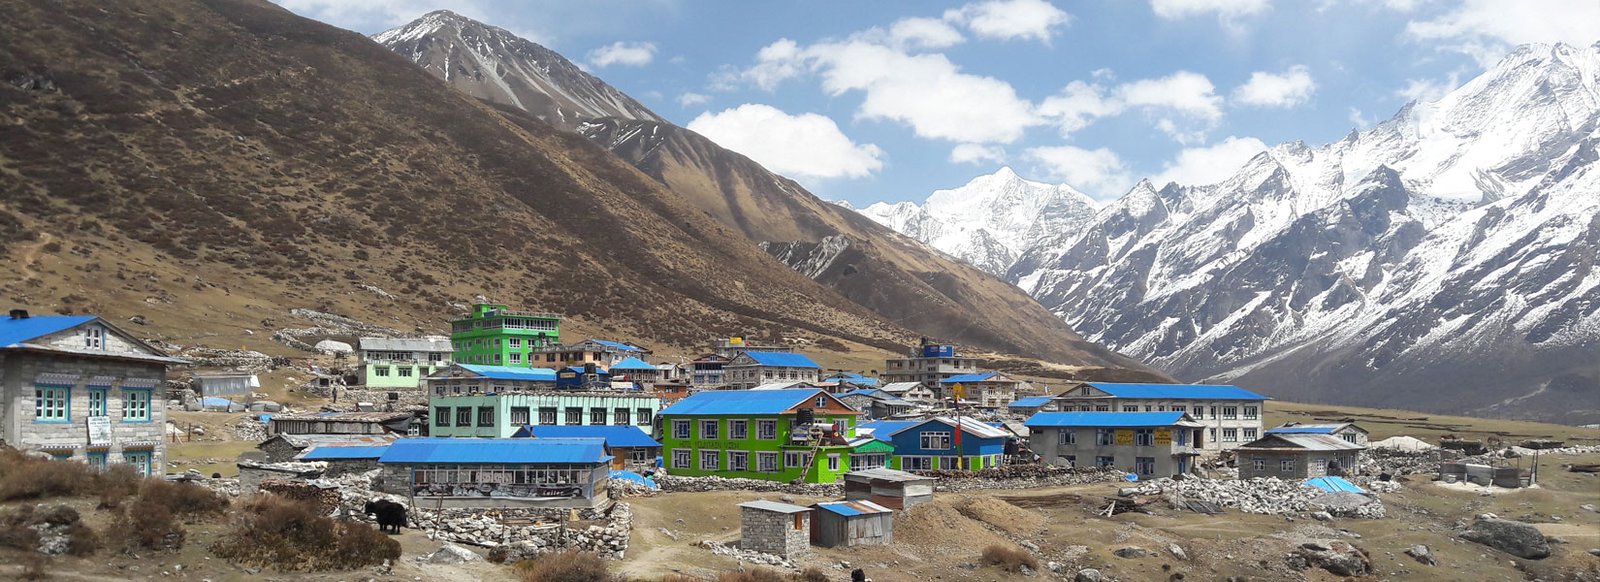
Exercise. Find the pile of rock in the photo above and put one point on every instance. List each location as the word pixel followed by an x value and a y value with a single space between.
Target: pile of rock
pixel 623 488
pixel 1380 486
pixel 249 429
pixel 1021 477
pixel 517 534
pixel 325 498
pixel 1405 462
pixel 228 487
pixel 1268 495
pixel 1337 557
pixel 246 361
pixel 696 484
pixel 744 555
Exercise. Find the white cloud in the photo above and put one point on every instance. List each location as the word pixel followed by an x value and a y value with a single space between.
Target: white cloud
pixel 1099 172
pixel 1428 89
pixel 924 33
pixel 1186 92
pixel 1225 9
pixel 1078 105
pixel 1360 120
pixel 627 54
pixel 1185 104
pixel 687 100
pixel 1484 28
pixel 1199 166
pixel 775 63
pixel 1010 19
pixel 971 153
pixel 802 146
pixel 1293 87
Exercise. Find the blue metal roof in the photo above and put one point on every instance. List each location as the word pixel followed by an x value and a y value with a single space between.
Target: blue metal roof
pixel 333 453
pixel 598 369
pixel 979 377
pixel 787 359
pixel 1332 484
pixel 1201 391
pixel 881 429
pixel 840 508
pixel 445 450
pixel 1103 419
pixel 741 401
pixel 1030 402
pixel 616 436
pixel 16 331
pixel 852 378
pixel 632 363
pixel 618 345
pixel 512 372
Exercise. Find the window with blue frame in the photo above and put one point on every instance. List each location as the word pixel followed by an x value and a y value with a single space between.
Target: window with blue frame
pixel 135 405
pixel 97 401
pixel 140 460
pixel 52 404
pixel 97 460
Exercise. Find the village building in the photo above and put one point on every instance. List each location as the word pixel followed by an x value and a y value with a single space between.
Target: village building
pixel 1298 456
pixel 986 390
pixel 733 346
pixel 215 384
pixel 1030 405
pixel 1231 415
pixel 629 446
pixel 1148 444
pixel 496 335
pixel 343 460
pixel 401 363
pixel 586 377
pixel 707 370
pixel 599 352
pixel 751 369
pixel 636 371
pixel 671 392
pixel 852 381
pixel 1348 431
pixel 930 365
pixel 888 487
pixel 468 379
pixel 932 444
pixel 874 403
pixel 283 447
pixel 446 472
pixel 773 435
pixel 344 423
pixel 77 387
pixel 499 413
pixel 914 392
pixel 851 523
pixel 775 528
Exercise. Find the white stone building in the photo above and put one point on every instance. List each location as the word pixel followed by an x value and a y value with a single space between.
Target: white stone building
pixel 930 365
pixel 751 369
pixel 1230 415
pixel 77 387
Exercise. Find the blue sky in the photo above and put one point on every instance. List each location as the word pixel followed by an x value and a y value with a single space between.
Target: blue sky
pixel 888 101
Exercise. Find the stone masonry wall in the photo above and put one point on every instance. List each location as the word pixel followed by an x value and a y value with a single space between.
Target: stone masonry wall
pixel 773 533
pixel 21 431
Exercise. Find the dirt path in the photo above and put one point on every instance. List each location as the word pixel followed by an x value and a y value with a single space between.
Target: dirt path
pixel 30 254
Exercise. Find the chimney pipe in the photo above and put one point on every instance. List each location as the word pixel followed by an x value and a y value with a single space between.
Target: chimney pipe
pixel 19 314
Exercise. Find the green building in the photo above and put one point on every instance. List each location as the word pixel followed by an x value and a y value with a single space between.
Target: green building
pixel 497 336
pixel 495 401
pixel 759 434
pixel 401 362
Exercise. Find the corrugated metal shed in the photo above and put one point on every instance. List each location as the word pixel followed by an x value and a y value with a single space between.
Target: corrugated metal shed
pixel 1030 402
pixel 496 451
pixel 765 505
pixel 346 416
pixel 852 523
pixel 785 359
pixel 1177 391
pixel 512 373
pixel 1103 419
pixel 849 508
pixel 742 401
pixel 342 453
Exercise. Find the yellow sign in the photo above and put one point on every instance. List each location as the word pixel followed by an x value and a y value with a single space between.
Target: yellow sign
pixel 1163 436
pixel 736 341
pixel 959 391
pixel 1124 437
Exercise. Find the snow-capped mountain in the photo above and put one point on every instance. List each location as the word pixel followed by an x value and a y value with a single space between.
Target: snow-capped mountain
pixel 1443 260
pixel 491 63
pixel 991 220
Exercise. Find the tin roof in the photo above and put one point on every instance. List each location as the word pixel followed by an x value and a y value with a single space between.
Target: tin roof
pixel 617 345
pixel 900 386
pixel 886 474
pixel 445 450
pixel 405 344
pixel 742 401
pixel 301 441
pixel 979 377
pixel 853 508
pixel 1304 442
pixel 785 359
pixel 1103 419
pixel 765 505
pixel 1177 391
pixel 15 331
pixel 327 453
pixel 616 436
pixel 1323 428
pixel 852 378
pixel 1030 402
pixel 345 416
pixel 632 363
pixel 888 428
pixel 512 372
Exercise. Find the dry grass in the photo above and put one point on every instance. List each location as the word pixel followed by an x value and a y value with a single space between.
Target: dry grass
pixel 1009 559
pixel 291 535
pixel 17 528
pixel 566 566
pixel 753 575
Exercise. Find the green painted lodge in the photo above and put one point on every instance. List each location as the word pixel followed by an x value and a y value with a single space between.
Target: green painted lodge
pixel 496 335
pixel 495 401
pixel 776 435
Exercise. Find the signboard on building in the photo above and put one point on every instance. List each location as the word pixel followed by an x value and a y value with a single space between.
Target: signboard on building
pixel 1124 436
pixel 1163 436
pixel 735 341
pixel 99 430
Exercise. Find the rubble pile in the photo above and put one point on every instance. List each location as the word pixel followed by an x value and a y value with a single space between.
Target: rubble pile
pixel 744 555
pixel 248 428
pixel 624 488
pixel 249 361
pixel 326 325
pixel 1405 462
pixel 325 498
pixel 226 486
pixel 1380 486
pixel 1268 495
pixel 1021 477
pixel 518 534
pixel 670 483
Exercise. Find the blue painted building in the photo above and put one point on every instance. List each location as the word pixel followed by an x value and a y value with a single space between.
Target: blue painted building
pixel 922 445
pixel 630 446
pixel 540 472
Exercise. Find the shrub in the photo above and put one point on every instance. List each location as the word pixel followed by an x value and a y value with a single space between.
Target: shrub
pixel 811 575
pixel 148 526
pixel 17 529
pixel 291 535
pixel 755 575
pixel 183 499
pixel 565 566
pixel 118 483
pixel 33 566
pixel 24 477
pixel 1009 559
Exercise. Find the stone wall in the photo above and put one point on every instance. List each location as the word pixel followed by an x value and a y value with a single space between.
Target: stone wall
pixel 772 532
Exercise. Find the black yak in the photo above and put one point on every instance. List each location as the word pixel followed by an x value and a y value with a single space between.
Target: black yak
pixel 391 516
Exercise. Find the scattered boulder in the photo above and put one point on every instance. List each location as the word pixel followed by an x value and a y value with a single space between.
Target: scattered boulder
pixel 1322 516
pixel 1131 552
pixel 1339 558
pixel 1177 551
pixel 1422 554
pixel 452 554
pixel 1512 537
pixel 1087 575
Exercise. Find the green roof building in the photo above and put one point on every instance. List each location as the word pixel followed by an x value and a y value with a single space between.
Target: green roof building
pixel 495 335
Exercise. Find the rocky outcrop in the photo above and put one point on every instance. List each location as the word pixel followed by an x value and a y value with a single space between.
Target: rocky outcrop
pixel 1339 558
pixel 1512 537
pixel 1263 495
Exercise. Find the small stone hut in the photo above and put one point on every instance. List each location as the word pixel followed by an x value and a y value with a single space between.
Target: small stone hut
pixel 774 528
pixel 888 487
pixel 852 523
